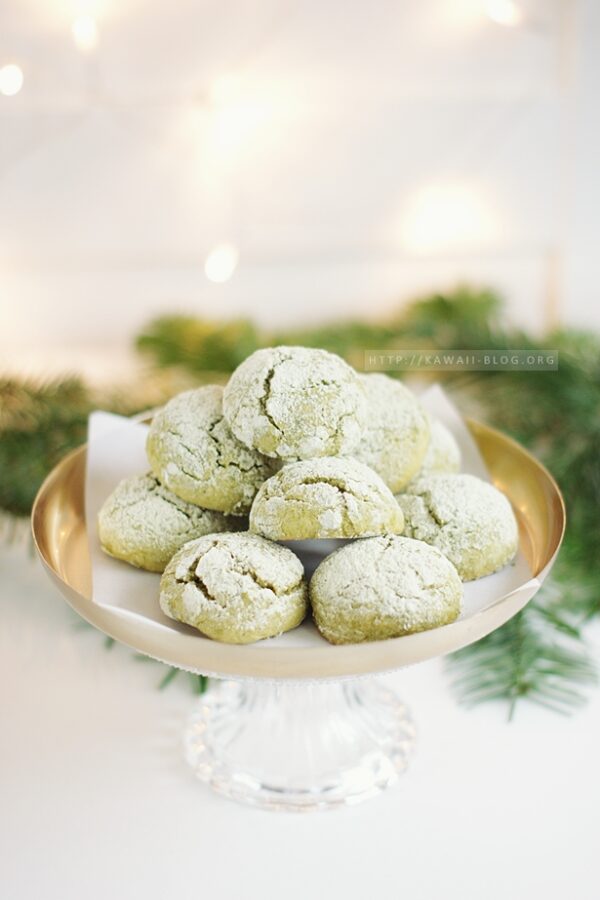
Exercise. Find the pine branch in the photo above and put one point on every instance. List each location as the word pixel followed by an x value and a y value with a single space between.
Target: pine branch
pixel 536 656
pixel 38 425
pixel 539 655
pixel 41 421
pixel 198 344
pixel 198 683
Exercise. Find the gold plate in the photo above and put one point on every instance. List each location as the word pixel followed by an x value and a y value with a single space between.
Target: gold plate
pixel 59 532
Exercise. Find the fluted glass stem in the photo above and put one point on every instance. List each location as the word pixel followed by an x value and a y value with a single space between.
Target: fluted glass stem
pixel 299 746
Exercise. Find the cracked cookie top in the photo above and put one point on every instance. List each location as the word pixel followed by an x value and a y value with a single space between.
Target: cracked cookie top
pixel 383 587
pixel 395 440
pixel 469 520
pixel 236 588
pixel 296 403
pixel 144 524
pixel 192 451
pixel 332 497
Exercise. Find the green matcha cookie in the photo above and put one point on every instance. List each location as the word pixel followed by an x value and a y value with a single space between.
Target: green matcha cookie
pixel 235 588
pixel 296 403
pixel 144 524
pixel 330 497
pixel 469 520
pixel 193 453
pixel 395 440
pixel 383 587
pixel 443 453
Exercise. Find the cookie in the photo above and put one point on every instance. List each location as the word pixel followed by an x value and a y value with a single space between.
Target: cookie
pixel 383 587
pixel 332 497
pixel 236 588
pixel 192 451
pixel 396 436
pixel 468 520
pixel 443 453
pixel 144 524
pixel 296 403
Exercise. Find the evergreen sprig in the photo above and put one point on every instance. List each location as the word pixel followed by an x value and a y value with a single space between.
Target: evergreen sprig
pixel 536 654
pixel 199 345
pixel 39 423
pixel 540 654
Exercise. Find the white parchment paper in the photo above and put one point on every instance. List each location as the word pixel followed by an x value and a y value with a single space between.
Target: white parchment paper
pixel 116 451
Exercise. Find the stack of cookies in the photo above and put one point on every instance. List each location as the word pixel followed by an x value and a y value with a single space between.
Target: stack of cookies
pixel 299 446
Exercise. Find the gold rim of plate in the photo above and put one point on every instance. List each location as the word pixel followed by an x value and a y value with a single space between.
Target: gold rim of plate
pixel 60 536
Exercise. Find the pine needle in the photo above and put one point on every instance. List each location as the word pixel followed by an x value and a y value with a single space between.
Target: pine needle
pixel 168 678
pixel 540 655
pixel 534 656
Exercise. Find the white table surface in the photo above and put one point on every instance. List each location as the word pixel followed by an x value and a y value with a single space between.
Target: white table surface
pixel 96 801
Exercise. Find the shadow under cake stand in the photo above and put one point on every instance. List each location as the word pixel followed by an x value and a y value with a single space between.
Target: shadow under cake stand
pixel 297 728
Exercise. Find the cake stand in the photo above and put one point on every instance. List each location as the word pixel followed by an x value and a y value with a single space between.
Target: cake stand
pixel 297 727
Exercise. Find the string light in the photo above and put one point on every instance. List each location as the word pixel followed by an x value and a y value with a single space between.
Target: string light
pixel 447 216
pixel 221 263
pixel 238 114
pixel 225 89
pixel 11 80
pixel 504 12
pixel 85 33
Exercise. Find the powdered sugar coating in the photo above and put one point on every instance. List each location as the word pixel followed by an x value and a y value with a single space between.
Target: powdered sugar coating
pixel 144 523
pixel 467 519
pixel 443 453
pixel 331 497
pixel 193 452
pixel 295 403
pixel 395 440
pixel 235 588
pixel 383 587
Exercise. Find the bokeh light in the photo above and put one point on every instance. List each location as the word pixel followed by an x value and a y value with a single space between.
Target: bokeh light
pixel 504 12
pixel 11 80
pixel 85 33
pixel 221 263
pixel 447 216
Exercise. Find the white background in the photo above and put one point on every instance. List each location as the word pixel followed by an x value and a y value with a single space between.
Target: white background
pixel 119 171
pixel 97 801
pixel 355 155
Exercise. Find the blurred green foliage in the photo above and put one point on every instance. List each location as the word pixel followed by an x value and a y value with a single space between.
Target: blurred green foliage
pixel 39 423
pixel 198 344
pixel 541 654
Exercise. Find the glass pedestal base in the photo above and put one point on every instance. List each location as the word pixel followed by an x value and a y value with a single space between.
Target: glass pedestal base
pixel 300 746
